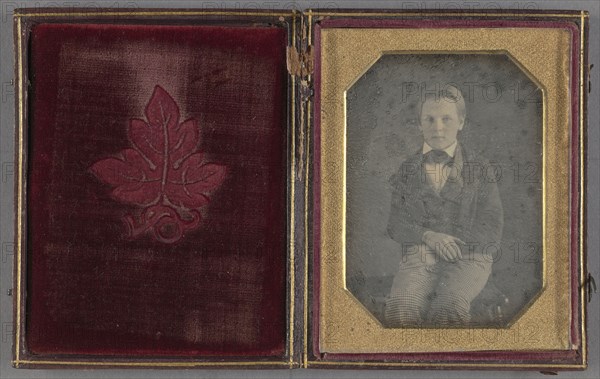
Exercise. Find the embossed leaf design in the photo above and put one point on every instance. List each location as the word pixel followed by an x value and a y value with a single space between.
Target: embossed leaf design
pixel 163 172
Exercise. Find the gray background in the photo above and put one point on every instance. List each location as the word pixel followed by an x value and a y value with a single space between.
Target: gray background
pixel 7 176
pixel 503 125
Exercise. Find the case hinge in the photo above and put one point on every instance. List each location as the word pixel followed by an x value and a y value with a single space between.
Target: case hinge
pixel 300 63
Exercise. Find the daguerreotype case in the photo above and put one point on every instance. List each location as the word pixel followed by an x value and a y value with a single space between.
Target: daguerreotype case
pixel 278 189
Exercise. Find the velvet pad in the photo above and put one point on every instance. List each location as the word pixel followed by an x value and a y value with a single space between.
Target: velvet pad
pixel 156 220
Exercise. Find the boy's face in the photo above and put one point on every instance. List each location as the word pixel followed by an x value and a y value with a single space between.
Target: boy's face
pixel 440 123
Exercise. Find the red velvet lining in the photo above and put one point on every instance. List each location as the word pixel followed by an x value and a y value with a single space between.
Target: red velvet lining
pixel 221 288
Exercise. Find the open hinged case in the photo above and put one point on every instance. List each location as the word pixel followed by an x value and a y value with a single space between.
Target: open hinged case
pixel 213 188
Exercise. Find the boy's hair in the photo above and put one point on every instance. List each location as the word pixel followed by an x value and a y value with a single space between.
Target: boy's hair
pixel 449 93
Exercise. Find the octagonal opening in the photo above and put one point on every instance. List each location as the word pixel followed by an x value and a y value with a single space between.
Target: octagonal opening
pixel 502 131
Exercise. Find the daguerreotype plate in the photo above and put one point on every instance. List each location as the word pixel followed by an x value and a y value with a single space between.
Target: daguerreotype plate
pixel 422 103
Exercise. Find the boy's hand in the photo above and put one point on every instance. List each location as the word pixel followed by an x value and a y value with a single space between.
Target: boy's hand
pixel 445 245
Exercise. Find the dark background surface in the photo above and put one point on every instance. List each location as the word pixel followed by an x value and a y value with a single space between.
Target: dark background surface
pixel 222 288
pixel 504 125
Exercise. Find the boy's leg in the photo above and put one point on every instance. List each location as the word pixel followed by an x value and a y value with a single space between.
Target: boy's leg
pixel 411 292
pixel 459 283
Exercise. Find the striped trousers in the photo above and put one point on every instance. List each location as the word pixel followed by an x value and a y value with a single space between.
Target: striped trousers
pixel 434 293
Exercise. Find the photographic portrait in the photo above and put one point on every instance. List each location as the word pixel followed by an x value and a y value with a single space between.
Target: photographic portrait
pixel 444 190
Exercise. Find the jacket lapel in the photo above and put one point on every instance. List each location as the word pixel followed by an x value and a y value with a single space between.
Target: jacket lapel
pixel 413 176
pixel 468 191
pixel 453 187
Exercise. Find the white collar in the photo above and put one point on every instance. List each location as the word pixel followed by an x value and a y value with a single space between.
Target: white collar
pixel 450 150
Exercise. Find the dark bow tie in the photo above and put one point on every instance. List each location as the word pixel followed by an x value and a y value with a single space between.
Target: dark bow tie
pixel 436 156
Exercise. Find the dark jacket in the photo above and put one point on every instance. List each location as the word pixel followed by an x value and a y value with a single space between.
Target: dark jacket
pixel 467 207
